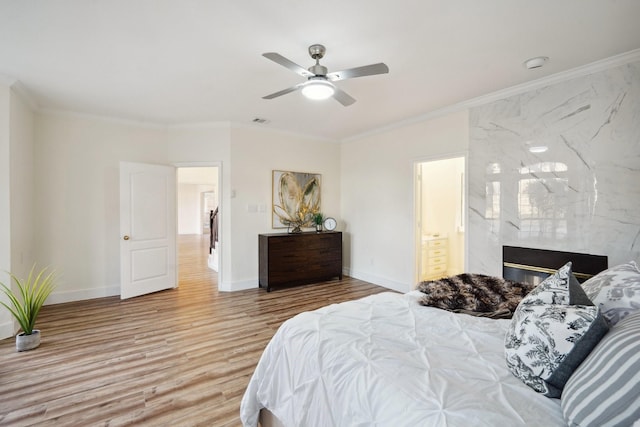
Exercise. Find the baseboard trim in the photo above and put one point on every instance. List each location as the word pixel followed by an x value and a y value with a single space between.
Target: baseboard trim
pixel 212 261
pixel 82 294
pixel 237 286
pixel 7 330
pixel 377 280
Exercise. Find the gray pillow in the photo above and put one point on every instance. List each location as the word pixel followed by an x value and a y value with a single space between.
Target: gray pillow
pixel 605 389
pixel 616 291
pixel 577 295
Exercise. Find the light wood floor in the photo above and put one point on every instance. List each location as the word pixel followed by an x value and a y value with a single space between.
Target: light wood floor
pixel 181 357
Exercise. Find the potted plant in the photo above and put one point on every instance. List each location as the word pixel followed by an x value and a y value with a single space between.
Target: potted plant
pixel 317 220
pixel 25 304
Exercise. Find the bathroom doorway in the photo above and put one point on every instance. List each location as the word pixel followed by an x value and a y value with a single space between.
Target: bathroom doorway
pixel 440 218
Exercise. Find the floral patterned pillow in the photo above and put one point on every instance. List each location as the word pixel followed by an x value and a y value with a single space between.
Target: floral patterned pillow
pixel 616 291
pixel 553 290
pixel 548 338
pixel 546 343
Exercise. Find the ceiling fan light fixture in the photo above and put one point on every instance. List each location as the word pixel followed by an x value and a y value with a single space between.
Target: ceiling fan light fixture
pixel 318 89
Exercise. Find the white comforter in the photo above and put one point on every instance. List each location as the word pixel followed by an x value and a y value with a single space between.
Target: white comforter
pixel 384 360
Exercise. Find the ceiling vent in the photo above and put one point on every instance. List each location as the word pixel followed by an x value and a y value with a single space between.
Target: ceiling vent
pixel 260 121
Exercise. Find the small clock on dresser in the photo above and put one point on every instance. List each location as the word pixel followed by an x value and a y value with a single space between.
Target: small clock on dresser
pixel 330 224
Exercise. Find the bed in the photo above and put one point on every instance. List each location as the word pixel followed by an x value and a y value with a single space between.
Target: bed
pixel 387 360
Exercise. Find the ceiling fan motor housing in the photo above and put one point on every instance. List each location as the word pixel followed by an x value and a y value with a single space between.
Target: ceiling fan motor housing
pixel 317 51
pixel 318 70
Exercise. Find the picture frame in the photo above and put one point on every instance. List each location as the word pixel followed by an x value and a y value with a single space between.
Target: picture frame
pixel 296 197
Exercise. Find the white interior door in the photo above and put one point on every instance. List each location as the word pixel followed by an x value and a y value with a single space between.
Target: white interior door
pixel 147 228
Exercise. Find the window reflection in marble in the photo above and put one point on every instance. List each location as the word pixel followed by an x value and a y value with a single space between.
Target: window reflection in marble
pixel 543 198
pixel 493 168
pixel 540 199
pixel 492 210
pixel 544 167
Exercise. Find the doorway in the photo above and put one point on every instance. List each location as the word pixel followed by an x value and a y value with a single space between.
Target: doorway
pixel 440 218
pixel 198 198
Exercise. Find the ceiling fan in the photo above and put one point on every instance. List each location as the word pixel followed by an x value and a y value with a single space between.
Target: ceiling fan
pixel 319 84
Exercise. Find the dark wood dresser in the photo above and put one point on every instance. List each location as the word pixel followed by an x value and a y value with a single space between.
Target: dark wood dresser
pixel 299 258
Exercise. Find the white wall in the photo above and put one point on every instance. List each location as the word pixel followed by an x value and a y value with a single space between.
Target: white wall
pixel 6 324
pixel 192 183
pixel 256 153
pixel 190 213
pixel 24 212
pixel 377 196
pixel 16 189
pixel 77 197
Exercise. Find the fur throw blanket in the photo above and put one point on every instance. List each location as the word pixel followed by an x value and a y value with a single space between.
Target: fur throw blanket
pixel 475 294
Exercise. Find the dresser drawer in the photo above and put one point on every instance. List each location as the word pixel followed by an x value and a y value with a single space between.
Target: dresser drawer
pixel 434 257
pixel 436 269
pixel 437 243
pixel 438 252
pixel 437 261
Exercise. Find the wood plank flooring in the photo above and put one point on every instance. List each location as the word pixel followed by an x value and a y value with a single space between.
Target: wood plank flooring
pixel 181 357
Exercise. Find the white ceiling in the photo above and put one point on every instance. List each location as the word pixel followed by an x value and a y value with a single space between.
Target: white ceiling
pixel 186 61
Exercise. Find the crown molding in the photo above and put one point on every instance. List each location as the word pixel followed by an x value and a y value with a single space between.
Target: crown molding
pixel 585 70
pixel 200 125
pixel 18 88
pixel 267 128
pixel 25 95
pixel 103 118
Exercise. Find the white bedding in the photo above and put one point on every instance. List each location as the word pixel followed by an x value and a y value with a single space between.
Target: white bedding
pixel 385 360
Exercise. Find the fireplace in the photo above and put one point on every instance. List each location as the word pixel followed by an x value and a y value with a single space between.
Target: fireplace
pixel 534 265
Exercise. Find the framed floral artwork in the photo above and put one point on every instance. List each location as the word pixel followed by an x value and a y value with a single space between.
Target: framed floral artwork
pixel 296 198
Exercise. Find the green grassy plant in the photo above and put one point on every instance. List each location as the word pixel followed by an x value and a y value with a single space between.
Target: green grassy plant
pixel 25 304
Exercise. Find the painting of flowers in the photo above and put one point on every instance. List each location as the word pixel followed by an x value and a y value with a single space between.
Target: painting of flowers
pixel 296 199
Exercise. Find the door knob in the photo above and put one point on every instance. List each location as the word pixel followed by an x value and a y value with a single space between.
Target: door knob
pixel 126 237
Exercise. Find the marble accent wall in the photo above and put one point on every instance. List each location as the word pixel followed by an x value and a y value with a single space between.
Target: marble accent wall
pixel 558 168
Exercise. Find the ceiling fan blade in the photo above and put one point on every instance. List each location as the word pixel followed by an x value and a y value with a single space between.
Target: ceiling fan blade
pixel 366 70
pixel 276 57
pixel 284 91
pixel 343 98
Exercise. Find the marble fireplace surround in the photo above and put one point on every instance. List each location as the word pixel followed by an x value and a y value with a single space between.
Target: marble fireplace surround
pixel 557 168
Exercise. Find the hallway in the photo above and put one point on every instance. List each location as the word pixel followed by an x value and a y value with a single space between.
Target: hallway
pixel 193 252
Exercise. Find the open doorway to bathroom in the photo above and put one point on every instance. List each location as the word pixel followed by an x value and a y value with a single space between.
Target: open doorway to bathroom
pixel 198 222
pixel 440 218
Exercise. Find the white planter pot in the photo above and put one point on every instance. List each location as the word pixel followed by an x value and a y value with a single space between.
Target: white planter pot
pixel 28 342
